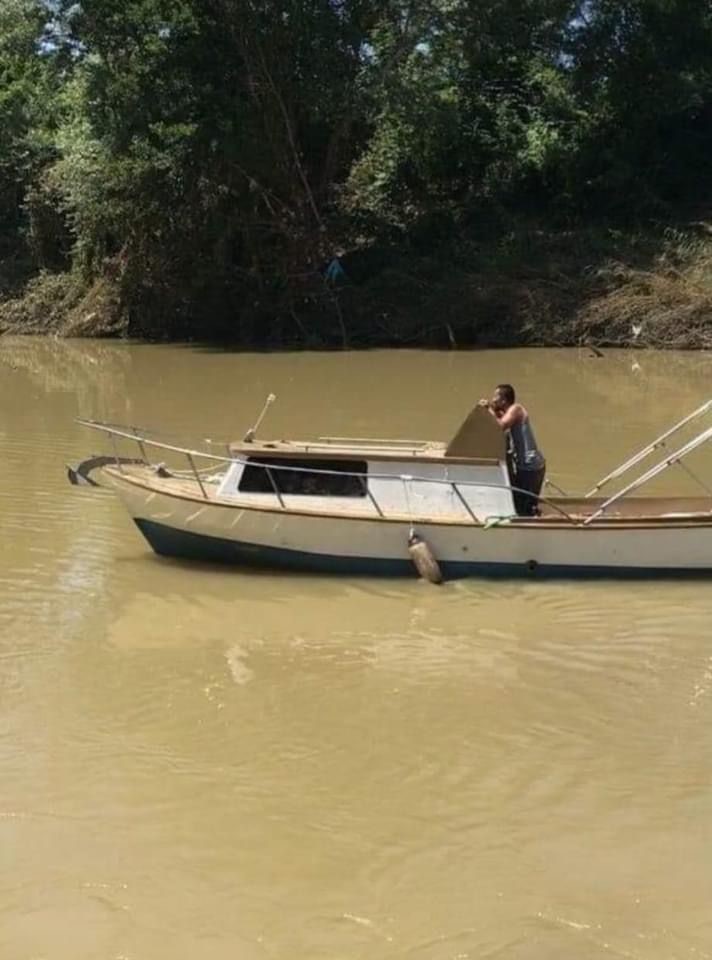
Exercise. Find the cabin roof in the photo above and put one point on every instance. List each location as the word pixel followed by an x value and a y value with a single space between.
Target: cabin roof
pixel 478 440
pixel 352 450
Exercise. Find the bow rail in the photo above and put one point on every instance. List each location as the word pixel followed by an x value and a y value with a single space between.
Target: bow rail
pixel 143 439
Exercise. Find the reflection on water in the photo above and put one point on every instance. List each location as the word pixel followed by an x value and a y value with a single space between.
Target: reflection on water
pixel 200 762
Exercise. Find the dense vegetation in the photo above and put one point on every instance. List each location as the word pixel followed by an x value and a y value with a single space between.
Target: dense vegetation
pixel 357 171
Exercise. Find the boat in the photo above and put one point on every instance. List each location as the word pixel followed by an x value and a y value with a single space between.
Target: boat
pixel 401 507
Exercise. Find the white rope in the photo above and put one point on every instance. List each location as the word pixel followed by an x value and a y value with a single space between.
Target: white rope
pixel 406 478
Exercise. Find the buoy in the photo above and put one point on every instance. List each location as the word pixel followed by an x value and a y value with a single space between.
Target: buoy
pixel 423 559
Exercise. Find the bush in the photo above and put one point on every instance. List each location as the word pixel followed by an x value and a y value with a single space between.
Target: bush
pixel 61 303
pixel 668 305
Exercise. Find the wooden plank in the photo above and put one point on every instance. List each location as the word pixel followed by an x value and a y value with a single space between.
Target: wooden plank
pixel 311 451
pixel 381 441
pixel 478 436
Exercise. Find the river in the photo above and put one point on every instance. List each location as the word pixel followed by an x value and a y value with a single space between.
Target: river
pixel 203 764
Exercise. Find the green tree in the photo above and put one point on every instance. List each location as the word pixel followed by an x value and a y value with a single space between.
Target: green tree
pixel 643 70
pixel 204 159
pixel 210 136
pixel 25 114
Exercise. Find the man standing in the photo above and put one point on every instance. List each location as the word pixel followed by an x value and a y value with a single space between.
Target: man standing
pixel 525 460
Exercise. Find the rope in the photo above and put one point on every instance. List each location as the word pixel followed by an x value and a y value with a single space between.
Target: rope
pixel 406 478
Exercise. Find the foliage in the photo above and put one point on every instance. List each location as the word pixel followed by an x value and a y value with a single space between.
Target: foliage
pixel 200 162
pixel 24 97
pixel 668 304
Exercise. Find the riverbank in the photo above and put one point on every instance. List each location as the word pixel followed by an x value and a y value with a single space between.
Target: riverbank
pixel 528 286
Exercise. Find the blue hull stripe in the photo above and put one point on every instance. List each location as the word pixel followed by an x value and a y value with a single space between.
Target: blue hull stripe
pixel 170 542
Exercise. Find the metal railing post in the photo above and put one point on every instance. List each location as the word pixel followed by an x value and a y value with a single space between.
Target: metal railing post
pixel 197 475
pixel 116 453
pixel 141 447
pixel 369 493
pixel 464 502
pixel 274 485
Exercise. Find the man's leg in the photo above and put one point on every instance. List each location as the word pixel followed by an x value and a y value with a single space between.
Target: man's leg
pixel 531 481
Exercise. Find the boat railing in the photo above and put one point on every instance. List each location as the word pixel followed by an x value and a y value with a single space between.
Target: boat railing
pixel 657 444
pixel 200 476
pixel 674 458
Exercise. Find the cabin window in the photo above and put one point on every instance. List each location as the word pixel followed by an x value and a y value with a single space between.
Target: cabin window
pixel 346 478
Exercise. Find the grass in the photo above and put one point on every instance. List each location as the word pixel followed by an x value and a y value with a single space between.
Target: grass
pixel 666 305
pixel 62 304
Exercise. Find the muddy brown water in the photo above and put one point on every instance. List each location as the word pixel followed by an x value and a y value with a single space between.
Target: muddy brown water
pixel 208 763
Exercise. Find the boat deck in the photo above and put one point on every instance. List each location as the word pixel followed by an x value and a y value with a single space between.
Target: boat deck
pixel 559 510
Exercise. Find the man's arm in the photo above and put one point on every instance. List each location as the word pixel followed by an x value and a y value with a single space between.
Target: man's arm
pixel 509 417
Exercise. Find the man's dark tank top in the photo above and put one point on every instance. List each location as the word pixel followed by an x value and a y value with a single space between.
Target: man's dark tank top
pixel 524 449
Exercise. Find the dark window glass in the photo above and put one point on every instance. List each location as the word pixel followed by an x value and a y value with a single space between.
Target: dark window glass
pixel 336 483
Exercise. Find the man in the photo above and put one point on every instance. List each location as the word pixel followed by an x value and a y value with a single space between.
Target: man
pixel 525 461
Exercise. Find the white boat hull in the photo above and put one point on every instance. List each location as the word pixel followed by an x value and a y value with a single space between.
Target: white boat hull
pixel 233 533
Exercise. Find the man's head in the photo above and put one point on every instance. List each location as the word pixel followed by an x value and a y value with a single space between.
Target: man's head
pixel 503 397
